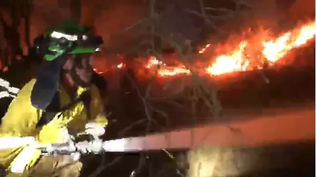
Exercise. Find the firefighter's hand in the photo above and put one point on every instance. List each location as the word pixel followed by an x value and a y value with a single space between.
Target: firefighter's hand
pixel 94 129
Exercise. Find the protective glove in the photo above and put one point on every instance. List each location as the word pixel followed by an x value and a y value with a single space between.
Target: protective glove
pixel 94 129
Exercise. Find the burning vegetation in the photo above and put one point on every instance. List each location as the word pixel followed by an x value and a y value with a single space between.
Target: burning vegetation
pixel 259 50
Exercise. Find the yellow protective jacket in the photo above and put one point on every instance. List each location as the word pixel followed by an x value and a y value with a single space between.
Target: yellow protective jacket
pixel 21 120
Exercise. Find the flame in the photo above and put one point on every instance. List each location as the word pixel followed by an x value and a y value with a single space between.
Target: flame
pixel 276 49
pixel 164 70
pixel 247 55
pixel 229 63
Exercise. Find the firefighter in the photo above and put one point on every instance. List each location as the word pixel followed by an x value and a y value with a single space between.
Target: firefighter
pixel 58 104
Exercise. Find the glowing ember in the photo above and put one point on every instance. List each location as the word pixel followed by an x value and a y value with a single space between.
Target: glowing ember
pixel 203 49
pixel 99 72
pixel 120 65
pixel 153 62
pixel 173 71
pixel 165 70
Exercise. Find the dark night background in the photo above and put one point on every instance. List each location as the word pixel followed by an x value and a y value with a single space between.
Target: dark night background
pixel 291 86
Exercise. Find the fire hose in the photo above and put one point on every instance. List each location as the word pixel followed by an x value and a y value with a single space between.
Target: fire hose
pixel 84 147
pixel 280 127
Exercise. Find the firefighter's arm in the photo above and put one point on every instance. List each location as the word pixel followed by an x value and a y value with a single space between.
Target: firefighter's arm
pixel 21 117
pixel 98 121
pixel 20 121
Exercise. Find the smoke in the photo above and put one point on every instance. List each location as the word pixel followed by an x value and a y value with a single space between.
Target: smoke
pixel 301 9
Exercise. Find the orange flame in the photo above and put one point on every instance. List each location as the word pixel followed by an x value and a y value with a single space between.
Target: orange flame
pixel 276 49
pixel 270 51
pixel 229 63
